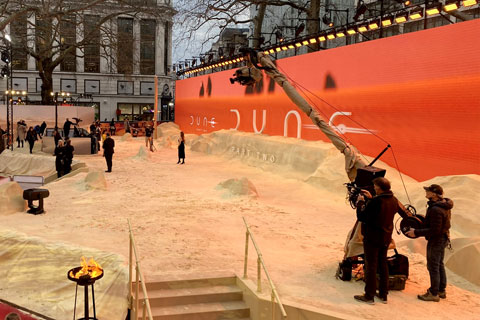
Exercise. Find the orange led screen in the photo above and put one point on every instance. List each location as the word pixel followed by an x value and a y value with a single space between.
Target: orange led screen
pixel 418 92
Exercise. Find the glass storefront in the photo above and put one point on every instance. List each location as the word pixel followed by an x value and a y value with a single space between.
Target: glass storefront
pixel 135 111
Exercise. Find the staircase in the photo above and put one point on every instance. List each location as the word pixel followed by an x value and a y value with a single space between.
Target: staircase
pixel 195 297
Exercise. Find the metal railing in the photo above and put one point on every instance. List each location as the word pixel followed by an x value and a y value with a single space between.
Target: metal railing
pixel 139 279
pixel 260 264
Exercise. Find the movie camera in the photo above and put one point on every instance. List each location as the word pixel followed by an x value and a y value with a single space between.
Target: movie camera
pixel 251 74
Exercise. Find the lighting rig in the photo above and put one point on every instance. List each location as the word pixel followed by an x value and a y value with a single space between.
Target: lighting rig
pixel 396 17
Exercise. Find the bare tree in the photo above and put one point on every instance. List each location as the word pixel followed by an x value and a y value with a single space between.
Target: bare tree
pixel 56 32
pixel 213 16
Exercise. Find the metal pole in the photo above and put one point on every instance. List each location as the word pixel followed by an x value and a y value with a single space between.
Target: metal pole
pixel 137 276
pixel 130 271
pixel 259 274
pixel 56 111
pixel 381 16
pixel 86 303
pixel 245 265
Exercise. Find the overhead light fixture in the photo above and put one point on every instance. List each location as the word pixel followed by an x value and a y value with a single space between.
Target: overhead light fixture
pixel 284 48
pixel 305 42
pixel 299 29
pixel 361 9
pixel 278 49
pixel 433 9
pixel 340 33
pixel 312 40
pixel 416 14
pixel 401 18
pixel 469 3
pixel 362 28
pixel 451 5
pixel 372 25
pixel 327 20
pixel 298 44
pixel 351 31
pixel 291 46
pixel 279 36
pixel 330 36
pixel 322 38
pixel 271 51
pixel 266 51
pixel 5 57
pixel 386 22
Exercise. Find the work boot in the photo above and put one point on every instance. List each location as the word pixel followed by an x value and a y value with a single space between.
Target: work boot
pixel 442 295
pixel 362 298
pixel 428 296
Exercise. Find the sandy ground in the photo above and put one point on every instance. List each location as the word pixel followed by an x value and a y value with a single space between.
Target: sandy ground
pixel 183 223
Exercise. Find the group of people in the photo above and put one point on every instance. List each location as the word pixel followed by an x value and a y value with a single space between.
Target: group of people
pixel 376 214
pixel 63 156
pixel 31 135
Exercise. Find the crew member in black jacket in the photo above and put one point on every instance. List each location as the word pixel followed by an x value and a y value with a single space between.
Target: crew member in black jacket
pixel 436 231
pixel 376 215
pixel 108 146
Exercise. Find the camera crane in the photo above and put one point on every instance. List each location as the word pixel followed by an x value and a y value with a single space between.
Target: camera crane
pixel 358 171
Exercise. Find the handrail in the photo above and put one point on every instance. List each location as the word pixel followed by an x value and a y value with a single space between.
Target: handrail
pixel 139 279
pixel 260 262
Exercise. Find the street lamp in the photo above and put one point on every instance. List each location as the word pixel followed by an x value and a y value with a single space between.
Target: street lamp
pixel 55 96
pixel 7 72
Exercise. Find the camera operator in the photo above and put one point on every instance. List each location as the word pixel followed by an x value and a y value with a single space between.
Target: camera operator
pixel 376 215
pixel 436 232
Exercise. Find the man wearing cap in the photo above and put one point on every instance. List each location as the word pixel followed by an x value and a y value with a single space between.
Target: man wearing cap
pixel 436 232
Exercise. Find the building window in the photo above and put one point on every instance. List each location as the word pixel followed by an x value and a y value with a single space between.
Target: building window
pixel 135 111
pixel 147 88
pixel 19 40
pixel 147 46
pixel 125 46
pixel 68 85
pixel 43 28
pixel 92 48
pixel 67 44
pixel 125 87
pixel 92 86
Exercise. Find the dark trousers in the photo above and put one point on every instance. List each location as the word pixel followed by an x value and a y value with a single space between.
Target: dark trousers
pixel 19 141
pixel 66 133
pixel 67 166
pixel 436 269
pixel 108 158
pixel 31 145
pixel 375 260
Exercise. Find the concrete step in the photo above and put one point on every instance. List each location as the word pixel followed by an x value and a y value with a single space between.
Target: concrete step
pixel 203 311
pixel 190 281
pixel 203 294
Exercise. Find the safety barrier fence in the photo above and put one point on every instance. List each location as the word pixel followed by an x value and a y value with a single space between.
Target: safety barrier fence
pixel 139 280
pixel 260 265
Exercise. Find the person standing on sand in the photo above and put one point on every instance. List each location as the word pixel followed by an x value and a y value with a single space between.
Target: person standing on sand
pixel 376 215
pixel 181 148
pixel 31 138
pixel 108 151
pixel 59 158
pixel 69 150
pixel 436 231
